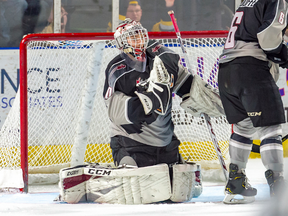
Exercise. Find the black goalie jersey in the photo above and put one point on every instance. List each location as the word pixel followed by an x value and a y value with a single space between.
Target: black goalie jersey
pixel 257 29
pixel 124 107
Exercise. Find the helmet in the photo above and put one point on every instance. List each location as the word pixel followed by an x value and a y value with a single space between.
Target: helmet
pixel 131 38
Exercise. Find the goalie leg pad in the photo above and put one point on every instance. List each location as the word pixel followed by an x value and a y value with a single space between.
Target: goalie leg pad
pixel 187 182
pixel 72 185
pixel 122 185
pixel 202 99
pixel 130 185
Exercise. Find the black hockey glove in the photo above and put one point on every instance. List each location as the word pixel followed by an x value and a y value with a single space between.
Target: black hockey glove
pixel 280 58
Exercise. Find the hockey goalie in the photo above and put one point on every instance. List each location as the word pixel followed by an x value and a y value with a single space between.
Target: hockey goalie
pixel 138 95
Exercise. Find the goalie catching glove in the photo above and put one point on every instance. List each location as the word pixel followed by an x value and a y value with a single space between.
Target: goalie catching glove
pixel 202 99
pixel 154 93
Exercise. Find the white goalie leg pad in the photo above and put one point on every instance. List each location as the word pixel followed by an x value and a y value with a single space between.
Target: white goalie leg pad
pixel 128 185
pixel 72 185
pixel 202 99
pixel 187 182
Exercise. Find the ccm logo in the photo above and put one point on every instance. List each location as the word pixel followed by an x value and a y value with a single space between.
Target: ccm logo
pixel 99 172
pixel 73 172
pixel 254 113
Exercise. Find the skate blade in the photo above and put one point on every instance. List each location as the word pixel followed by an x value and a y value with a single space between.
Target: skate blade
pixel 230 199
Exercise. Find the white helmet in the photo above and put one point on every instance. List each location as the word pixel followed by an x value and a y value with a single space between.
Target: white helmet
pixel 132 38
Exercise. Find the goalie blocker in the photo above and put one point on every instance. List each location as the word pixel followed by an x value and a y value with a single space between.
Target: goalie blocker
pixel 130 184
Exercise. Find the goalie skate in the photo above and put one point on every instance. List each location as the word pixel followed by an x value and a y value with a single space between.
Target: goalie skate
pixel 238 190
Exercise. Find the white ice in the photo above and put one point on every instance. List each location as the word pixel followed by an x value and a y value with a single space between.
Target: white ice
pixel 39 201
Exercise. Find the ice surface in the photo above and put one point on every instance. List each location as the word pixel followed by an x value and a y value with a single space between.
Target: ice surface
pixel 39 201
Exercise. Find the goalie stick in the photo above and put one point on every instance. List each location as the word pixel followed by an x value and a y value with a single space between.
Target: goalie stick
pixel 204 115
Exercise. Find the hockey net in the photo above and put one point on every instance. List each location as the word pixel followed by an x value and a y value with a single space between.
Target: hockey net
pixel 63 117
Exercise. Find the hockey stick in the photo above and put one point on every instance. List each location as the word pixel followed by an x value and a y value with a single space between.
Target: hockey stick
pixel 204 115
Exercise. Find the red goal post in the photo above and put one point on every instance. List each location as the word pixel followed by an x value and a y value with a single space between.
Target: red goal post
pixel 196 40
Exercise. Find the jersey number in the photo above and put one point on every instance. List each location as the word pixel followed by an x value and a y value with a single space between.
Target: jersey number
pixel 230 42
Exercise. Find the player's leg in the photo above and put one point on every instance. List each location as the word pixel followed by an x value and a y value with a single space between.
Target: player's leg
pixel 265 109
pixel 169 154
pixel 185 182
pixel 142 154
pixel 236 80
pixel 123 147
pixel 125 184
pixel 271 151
pixel 127 160
pixel 240 146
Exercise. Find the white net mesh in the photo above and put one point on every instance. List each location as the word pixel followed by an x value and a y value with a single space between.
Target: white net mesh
pixel 58 76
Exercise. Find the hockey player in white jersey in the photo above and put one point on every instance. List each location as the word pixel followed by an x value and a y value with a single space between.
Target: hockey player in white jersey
pixel 248 69
pixel 138 94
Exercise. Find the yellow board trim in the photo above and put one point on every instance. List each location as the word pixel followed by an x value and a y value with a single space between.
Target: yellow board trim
pixel 257 155
pixel 49 155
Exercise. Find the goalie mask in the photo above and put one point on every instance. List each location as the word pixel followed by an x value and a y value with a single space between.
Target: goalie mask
pixel 132 38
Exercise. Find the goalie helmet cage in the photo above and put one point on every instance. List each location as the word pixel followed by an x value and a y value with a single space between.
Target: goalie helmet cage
pixel 63 120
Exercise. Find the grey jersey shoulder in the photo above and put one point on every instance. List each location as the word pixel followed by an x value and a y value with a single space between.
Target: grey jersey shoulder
pixel 115 69
pixel 274 21
pixel 256 27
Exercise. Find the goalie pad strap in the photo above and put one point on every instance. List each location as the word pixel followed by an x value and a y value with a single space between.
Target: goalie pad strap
pixel 202 99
